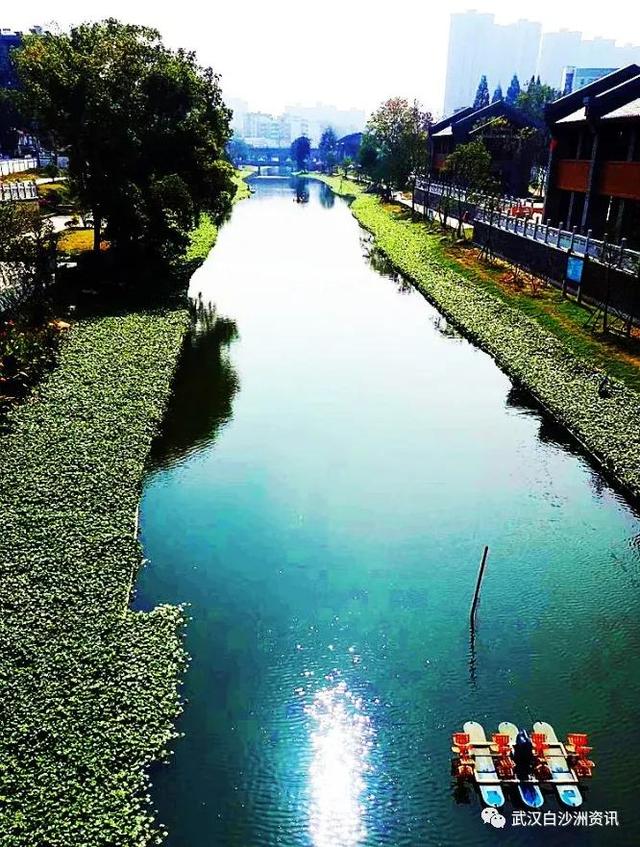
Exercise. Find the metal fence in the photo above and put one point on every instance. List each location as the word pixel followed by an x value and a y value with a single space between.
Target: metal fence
pixel 17 166
pixel 498 213
pixel 616 255
pixel 14 191
pixel 458 194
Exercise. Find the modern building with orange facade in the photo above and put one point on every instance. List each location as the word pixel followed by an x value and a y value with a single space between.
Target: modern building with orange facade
pixel 594 162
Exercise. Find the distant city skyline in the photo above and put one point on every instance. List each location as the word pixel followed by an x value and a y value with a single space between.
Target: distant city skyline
pixel 480 45
pixel 353 55
pixel 262 128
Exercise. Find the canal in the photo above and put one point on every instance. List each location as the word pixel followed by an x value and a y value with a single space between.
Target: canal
pixel 334 460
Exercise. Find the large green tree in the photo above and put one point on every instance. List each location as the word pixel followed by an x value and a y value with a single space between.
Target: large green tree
pixel 300 151
pixel 145 128
pixel 469 175
pixel 398 133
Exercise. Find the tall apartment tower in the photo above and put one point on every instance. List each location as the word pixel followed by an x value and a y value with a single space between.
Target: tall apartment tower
pixel 478 45
pixel 557 50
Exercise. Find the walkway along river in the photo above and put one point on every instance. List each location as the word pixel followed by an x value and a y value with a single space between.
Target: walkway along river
pixel 333 463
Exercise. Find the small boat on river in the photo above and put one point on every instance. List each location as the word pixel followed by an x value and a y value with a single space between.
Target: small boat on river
pixel 564 778
pixel 527 764
pixel 528 788
pixel 484 771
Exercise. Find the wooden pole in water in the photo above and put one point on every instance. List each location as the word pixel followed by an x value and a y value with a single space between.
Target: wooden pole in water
pixel 476 596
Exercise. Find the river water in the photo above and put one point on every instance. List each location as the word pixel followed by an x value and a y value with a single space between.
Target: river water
pixel 333 462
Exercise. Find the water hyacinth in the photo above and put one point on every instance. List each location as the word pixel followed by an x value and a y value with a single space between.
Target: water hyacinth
pixel 608 427
pixel 88 688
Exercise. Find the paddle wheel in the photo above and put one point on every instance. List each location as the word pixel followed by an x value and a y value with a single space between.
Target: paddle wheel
pixel 512 760
pixel 541 767
pixel 505 765
pixel 462 765
pixel 578 754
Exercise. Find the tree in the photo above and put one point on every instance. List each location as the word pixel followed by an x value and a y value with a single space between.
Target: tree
pixel 145 129
pixel 300 151
pixel 27 248
pixel 238 150
pixel 497 94
pixel 327 148
pixel 534 99
pixel 368 157
pixel 346 164
pixel 482 94
pixel 513 91
pixel 398 133
pixel 469 171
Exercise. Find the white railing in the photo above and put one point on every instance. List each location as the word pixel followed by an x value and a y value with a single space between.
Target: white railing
pixel 17 166
pixel 528 224
pixel 456 193
pixel 13 191
pixel 618 255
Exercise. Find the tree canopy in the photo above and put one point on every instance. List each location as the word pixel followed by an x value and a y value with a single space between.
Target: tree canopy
pixel 497 94
pixel 513 91
pixel 469 167
pixel 145 129
pixel 533 100
pixel 395 143
pixel 238 149
pixel 300 151
pixel 327 148
pixel 482 94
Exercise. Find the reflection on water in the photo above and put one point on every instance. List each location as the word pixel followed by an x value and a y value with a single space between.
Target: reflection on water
pixel 369 457
pixel 341 738
pixel 301 189
pixel 382 265
pixel 327 197
pixel 204 387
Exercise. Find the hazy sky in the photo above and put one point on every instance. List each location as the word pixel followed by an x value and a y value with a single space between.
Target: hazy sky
pixel 351 53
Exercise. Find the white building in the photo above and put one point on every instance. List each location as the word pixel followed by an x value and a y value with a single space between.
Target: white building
pixel 263 130
pixel 478 45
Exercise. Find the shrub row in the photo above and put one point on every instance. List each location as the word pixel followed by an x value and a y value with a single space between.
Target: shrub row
pixel 607 427
pixel 88 688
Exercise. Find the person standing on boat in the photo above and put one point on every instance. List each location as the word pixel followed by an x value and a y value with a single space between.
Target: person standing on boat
pixel 523 755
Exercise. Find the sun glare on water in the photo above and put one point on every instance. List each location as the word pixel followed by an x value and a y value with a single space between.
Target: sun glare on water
pixel 341 739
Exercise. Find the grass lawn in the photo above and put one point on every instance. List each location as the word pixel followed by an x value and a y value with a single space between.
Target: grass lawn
pixel 23 176
pixel 75 241
pixel 61 189
pixel 204 236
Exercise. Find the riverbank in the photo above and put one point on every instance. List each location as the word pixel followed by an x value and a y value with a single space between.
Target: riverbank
pixel 205 234
pixel 565 383
pixel 91 688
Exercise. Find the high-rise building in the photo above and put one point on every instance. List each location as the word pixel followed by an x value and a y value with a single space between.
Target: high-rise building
pixel 478 45
pixel 8 40
pixel 556 50
pixel 263 130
